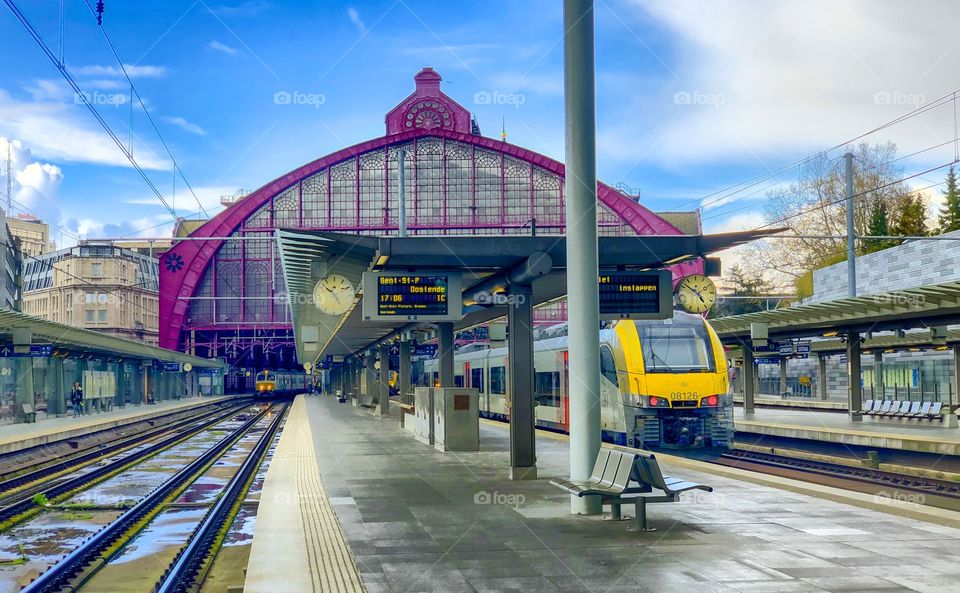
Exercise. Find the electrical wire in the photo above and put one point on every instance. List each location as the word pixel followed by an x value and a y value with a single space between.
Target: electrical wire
pixel 80 95
pixel 146 112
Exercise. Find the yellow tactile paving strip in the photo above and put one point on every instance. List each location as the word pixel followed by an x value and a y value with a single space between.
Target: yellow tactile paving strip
pixel 298 546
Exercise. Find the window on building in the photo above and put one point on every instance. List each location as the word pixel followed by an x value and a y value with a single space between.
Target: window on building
pixel 90 315
pixel 476 379
pixel 102 315
pixel 90 297
pixel 498 380
pixel 96 269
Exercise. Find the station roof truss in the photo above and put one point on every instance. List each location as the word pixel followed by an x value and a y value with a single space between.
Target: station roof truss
pixel 928 306
pixel 81 342
pixel 307 256
pixel 224 283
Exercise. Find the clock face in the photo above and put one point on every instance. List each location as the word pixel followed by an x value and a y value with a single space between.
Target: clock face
pixel 334 295
pixel 696 293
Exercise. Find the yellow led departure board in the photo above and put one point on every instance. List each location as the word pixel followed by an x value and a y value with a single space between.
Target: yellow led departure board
pixel 636 295
pixel 433 296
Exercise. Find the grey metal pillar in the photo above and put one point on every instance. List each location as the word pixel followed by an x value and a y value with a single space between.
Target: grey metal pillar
pixel 445 330
pixel 748 384
pixel 383 398
pixel 783 375
pixel 369 387
pixel 403 371
pixel 878 386
pixel 583 298
pixel 523 445
pixel 854 391
pixel 822 376
pixel 851 233
pixel 955 389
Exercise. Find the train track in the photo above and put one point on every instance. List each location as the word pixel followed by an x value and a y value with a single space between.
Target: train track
pixel 80 565
pixel 20 505
pixel 924 490
pixel 38 458
pixel 73 463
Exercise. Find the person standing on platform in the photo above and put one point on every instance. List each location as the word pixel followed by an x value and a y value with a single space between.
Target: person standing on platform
pixel 76 398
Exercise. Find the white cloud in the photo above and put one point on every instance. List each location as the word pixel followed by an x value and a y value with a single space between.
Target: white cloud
pixel 250 8
pixel 742 221
pixel 134 71
pixel 750 80
pixel 356 20
pixel 185 125
pixel 222 47
pixel 36 185
pixel 58 131
pixel 184 201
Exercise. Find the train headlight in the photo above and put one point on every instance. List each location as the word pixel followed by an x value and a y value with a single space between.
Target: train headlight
pixel 710 401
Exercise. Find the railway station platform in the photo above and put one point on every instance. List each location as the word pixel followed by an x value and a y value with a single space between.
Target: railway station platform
pixel 353 502
pixel 832 427
pixel 800 403
pixel 15 437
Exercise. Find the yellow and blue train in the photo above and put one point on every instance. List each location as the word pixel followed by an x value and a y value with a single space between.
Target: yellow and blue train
pixel 664 383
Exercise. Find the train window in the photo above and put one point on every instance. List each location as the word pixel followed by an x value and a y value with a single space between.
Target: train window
pixel 436 378
pixel 547 389
pixel 476 379
pixel 608 368
pixel 498 380
pixel 676 348
pixel 458 380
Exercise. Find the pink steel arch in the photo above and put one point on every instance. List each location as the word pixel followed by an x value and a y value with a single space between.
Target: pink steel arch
pixel 184 265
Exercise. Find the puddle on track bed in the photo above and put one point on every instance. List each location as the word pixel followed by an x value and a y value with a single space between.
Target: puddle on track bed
pixel 141 563
pixel 45 540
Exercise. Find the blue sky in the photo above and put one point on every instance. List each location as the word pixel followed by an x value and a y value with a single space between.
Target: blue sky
pixel 692 96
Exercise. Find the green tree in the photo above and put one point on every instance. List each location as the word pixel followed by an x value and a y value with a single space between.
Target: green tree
pixel 879 227
pixel 950 213
pixel 909 217
pixel 741 283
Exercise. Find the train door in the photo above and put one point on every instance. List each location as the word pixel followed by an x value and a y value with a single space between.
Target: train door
pixel 565 392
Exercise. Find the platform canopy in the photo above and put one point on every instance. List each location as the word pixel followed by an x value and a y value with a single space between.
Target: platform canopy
pixel 307 257
pixel 73 341
pixel 934 305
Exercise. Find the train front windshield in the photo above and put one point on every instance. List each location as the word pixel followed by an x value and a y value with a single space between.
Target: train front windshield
pixel 678 345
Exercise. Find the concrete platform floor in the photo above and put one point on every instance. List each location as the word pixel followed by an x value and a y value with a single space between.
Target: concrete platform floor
pixel 419 520
pixel 14 437
pixel 909 435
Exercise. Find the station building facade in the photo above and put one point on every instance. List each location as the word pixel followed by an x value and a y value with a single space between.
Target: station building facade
pixel 224 296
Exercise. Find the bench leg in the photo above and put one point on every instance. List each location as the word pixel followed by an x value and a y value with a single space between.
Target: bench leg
pixel 640 521
pixel 615 513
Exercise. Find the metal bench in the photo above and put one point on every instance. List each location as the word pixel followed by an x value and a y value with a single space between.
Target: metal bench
pixel 613 472
pixel 29 415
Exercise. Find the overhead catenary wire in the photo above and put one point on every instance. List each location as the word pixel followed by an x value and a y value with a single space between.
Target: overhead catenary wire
pixel 135 93
pixel 81 96
pixel 732 190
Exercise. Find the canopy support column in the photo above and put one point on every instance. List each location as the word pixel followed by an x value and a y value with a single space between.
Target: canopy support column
pixel 523 456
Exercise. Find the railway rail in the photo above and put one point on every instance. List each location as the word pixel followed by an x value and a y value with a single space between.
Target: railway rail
pixel 80 565
pixel 18 480
pixel 20 505
pixel 924 490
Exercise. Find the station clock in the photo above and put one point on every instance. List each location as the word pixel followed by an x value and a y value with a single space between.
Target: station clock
pixel 695 293
pixel 334 295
